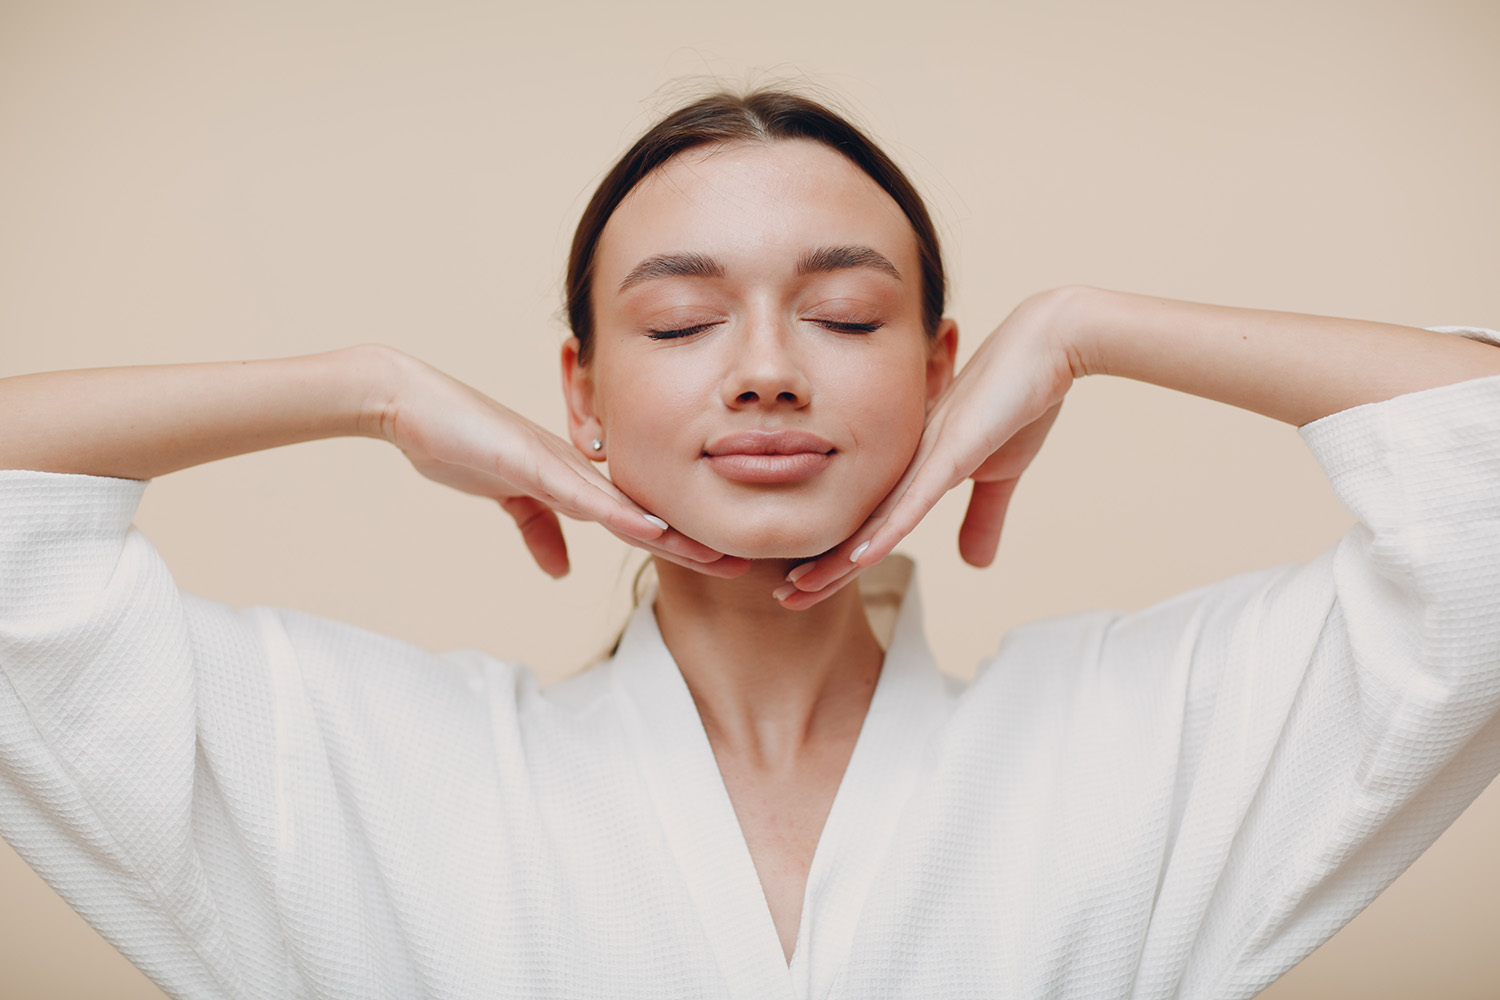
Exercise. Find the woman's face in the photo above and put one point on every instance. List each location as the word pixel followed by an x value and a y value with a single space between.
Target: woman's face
pixel 760 375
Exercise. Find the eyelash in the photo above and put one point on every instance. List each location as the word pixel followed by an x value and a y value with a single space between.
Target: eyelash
pixel 688 331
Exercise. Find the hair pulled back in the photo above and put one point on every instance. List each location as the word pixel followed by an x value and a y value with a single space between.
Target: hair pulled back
pixel 758 116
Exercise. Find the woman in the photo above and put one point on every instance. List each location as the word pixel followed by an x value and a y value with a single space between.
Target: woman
pixel 757 795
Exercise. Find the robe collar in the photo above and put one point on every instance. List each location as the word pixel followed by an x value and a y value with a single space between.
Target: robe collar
pixel 896 743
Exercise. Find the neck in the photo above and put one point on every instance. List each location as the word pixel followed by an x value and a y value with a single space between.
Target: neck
pixel 768 682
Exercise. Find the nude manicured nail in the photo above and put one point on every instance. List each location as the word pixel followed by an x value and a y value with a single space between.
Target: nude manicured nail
pixel 859 550
pixel 656 521
pixel 784 591
pixel 799 572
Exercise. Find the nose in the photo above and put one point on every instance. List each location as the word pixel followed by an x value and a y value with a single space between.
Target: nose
pixel 766 370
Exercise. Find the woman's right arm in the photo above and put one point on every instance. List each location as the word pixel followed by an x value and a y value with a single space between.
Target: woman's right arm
pixel 139 423
pixel 182 771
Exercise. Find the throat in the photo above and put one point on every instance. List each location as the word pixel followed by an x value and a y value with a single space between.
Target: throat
pixel 769 684
pixel 783 696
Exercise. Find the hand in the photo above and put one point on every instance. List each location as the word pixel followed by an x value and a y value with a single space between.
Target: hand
pixel 459 437
pixel 986 426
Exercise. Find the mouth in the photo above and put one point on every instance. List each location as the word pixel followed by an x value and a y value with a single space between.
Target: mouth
pixel 783 456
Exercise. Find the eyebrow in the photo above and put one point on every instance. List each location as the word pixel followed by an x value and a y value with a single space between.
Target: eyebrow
pixel 689 264
pixel 840 258
pixel 685 264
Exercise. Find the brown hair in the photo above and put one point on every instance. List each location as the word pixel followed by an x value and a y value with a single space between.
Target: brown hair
pixel 759 116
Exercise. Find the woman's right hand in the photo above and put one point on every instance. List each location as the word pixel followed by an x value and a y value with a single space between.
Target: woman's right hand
pixel 139 423
pixel 457 436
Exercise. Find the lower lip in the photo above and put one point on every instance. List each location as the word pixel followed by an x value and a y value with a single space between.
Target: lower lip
pixel 793 468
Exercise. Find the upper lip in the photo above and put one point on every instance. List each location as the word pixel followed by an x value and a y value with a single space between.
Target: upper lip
pixel 765 442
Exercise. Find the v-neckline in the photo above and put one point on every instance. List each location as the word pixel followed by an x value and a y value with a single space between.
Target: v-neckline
pixel 908 707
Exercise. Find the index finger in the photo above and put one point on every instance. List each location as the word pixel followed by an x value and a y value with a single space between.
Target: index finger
pixel 839 562
pixel 926 489
pixel 587 495
pixel 902 509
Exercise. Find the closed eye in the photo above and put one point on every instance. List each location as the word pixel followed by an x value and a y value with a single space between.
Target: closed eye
pixel 849 327
pixel 686 331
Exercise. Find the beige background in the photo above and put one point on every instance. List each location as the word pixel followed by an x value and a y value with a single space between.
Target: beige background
pixel 196 181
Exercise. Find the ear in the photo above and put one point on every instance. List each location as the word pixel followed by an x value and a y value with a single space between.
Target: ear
pixel 941 352
pixel 578 389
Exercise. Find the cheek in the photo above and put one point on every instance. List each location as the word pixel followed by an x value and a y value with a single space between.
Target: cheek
pixel 888 410
pixel 887 438
pixel 649 423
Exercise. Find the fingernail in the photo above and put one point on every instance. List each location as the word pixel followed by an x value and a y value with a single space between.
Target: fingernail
pixel 658 521
pixel 799 572
pixel 859 550
pixel 784 591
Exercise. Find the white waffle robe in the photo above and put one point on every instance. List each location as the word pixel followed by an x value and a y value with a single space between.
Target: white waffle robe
pixel 1179 802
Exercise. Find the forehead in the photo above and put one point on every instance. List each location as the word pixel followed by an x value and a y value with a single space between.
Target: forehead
pixel 754 206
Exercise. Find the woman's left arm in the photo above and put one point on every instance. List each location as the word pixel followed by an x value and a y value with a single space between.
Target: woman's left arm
pixel 1290 366
pixel 991 421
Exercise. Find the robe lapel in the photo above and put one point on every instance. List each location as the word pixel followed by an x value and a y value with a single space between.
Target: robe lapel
pixel 696 814
pixel 908 710
pixel 909 707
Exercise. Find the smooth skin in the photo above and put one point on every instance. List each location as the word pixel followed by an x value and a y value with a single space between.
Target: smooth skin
pixel 782 683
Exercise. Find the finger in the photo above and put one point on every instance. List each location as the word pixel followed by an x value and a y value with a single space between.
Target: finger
pixel 815 575
pixel 839 561
pixel 936 477
pixel 801 600
pixel 588 498
pixel 678 544
pixel 584 495
pixel 979 535
pixel 572 487
pixel 541 532
pixel 1012 458
pixel 726 567
pixel 674 543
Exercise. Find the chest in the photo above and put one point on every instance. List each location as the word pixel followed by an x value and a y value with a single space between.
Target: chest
pixel 644 855
pixel 989 864
pixel 781 816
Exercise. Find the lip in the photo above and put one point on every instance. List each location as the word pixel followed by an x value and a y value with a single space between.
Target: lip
pixel 779 456
pixel 777 442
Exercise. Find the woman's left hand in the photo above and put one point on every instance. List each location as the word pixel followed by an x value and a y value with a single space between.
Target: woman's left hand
pixel 986 426
pixel 989 423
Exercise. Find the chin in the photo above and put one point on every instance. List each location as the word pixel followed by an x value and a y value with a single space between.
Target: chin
pixel 791 523
pixel 775 551
pixel 777 539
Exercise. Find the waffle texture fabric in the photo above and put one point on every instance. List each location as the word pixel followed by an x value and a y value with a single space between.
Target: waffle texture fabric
pixel 1178 802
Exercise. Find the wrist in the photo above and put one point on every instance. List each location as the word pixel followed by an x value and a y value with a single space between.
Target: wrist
pixel 377 378
pixel 1068 317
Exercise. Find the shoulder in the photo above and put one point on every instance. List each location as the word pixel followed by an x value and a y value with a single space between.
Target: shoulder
pixel 342 674
pixel 1111 655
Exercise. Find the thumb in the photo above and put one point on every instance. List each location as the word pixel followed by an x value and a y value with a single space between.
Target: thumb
pixel 979 536
pixel 541 531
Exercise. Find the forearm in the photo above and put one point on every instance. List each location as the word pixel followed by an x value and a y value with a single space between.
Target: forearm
pixel 1290 366
pixel 138 423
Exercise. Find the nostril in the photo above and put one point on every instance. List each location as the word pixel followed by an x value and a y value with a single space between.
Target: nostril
pixel 787 397
pixel 746 397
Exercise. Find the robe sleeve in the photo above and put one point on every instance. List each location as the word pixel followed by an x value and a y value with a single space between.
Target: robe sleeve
pixel 98 720
pixel 1336 717
pixel 192 778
